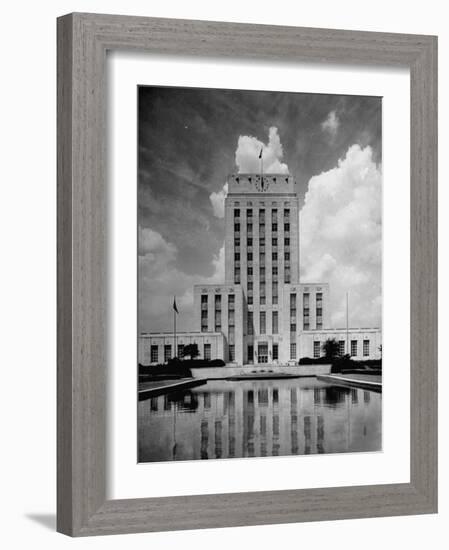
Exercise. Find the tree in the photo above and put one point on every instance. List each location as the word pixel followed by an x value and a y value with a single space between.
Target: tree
pixel 191 350
pixel 331 349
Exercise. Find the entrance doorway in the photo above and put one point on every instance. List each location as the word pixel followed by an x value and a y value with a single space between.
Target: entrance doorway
pixel 262 352
pixel 250 354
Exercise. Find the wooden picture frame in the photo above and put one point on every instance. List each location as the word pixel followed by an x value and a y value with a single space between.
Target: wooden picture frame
pixel 83 40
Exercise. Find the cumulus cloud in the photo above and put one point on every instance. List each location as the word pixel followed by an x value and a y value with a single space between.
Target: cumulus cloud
pixel 247 161
pixel 331 124
pixel 248 149
pixel 218 200
pixel 341 236
pixel 160 279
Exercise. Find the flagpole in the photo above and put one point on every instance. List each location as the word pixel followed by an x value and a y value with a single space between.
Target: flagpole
pixel 347 324
pixel 174 330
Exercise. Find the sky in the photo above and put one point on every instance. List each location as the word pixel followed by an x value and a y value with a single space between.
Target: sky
pixel 191 139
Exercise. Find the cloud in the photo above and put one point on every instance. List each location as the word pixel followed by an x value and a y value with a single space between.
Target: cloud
pixel 218 200
pixel 331 124
pixel 341 236
pixel 160 279
pixel 247 161
pixel 248 149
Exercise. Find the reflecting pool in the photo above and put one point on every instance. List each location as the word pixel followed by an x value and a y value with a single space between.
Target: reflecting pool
pixel 229 419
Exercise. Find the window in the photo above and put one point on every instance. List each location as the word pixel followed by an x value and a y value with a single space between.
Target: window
pixel 262 322
pixel 250 286
pixel 274 227
pixel 262 257
pixel 365 348
pixel 231 301
pixel 263 300
pixel 231 350
pixel 249 242
pixel 154 354
pixel 275 352
pixel 250 325
pixel 293 304
pixel 287 275
pixel 287 241
pixel 237 275
pixel 262 244
pixel 286 227
pixel 204 323
pixel 250 256
pixel 353 348
pixel 341 347
pixel 274 215
pixel 203 301
pixel 274 321
pixel 287 256
pixel 262 289
pixel 316 349
pixel 262 273
pixel 237 244
pixel 237 228
pixel 231 317
pixel 292 327
pixel 274 270
pixel 262 215
pixel 180 350
pixel 249 212
pixel 231 334
pixel 250 300
pixel 236 212
pixel 167 352
pixel 274 241
pixel 237 256
pixel 249 228
pixel 293 351
pixel 207 354
pixel 286 213
pixel 274 256
pixel 305 311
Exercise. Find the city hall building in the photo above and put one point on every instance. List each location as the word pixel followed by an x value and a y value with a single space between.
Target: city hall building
pixel 262 313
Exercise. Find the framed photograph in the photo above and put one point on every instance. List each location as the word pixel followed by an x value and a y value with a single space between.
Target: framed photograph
pixel 247 280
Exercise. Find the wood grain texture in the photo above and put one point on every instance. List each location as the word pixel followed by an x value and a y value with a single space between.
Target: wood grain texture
pixel 83 40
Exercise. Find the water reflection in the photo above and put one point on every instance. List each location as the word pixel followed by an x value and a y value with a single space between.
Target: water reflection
pixel 224 419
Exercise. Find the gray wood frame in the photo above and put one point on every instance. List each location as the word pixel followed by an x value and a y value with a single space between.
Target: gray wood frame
pixel 83 40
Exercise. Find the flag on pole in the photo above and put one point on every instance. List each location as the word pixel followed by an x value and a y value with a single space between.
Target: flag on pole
pixel 260 154
pixel 174 305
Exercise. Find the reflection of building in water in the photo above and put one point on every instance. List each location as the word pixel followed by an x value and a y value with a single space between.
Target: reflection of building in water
pixel 261 313
pixel 267 420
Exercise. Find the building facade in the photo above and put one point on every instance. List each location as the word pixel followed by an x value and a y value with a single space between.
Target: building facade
pixel 262 311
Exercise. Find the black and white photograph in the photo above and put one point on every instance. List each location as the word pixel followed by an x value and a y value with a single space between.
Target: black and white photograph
pixel 259 274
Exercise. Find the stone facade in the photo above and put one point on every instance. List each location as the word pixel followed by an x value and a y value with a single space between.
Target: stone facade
pixel 263 313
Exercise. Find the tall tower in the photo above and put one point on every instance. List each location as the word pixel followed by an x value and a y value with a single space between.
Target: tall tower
pixel 262 255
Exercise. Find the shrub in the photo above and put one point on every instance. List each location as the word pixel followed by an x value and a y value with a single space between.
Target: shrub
pixel 173 369
pixel 314 361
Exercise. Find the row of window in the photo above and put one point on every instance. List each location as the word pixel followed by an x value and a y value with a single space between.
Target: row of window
pixel 274 213
pixel 249 257
pixel 154 352
pixel 317 347
pixel 250 242
pixel 217 312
